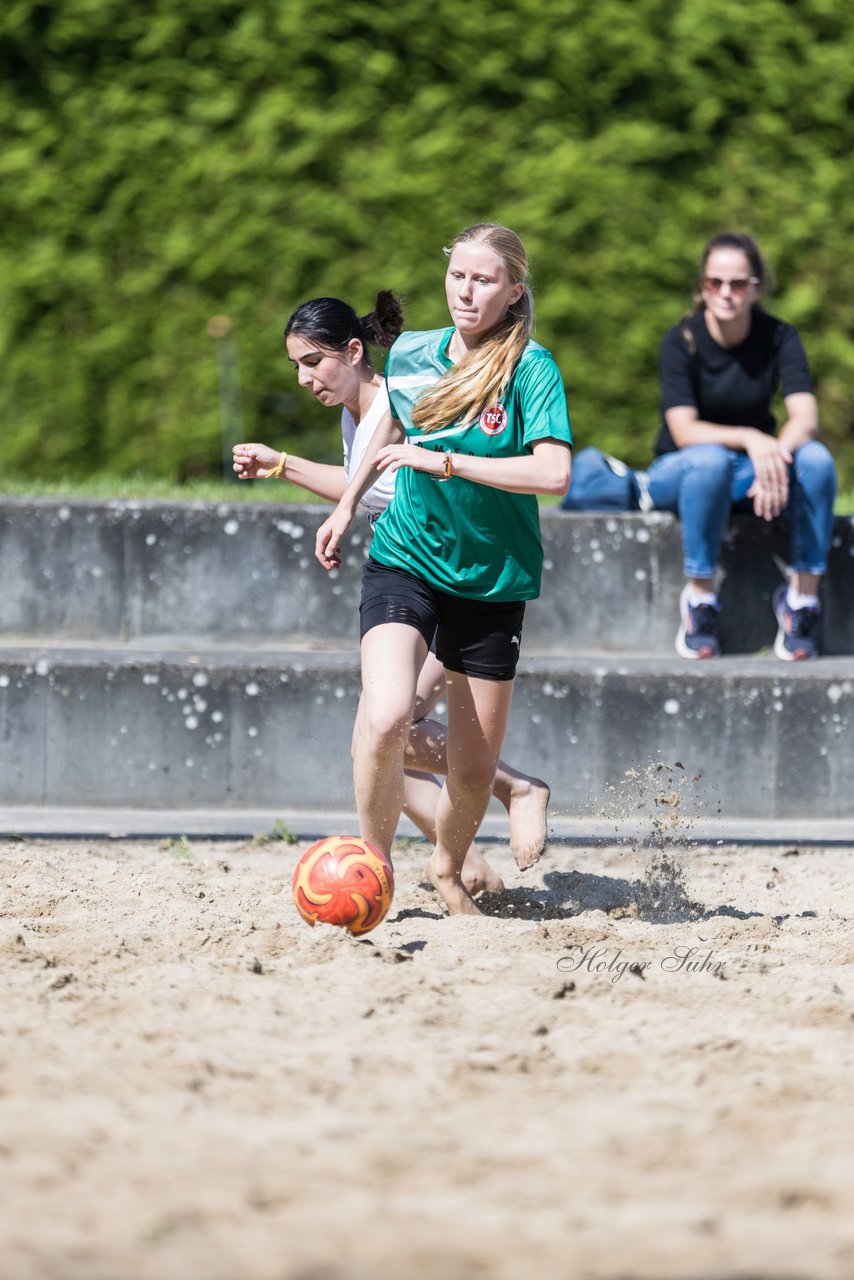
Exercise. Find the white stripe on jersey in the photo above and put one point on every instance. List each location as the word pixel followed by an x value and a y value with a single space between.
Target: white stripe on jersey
pixel 397 381
pixel 442 435
pixel 401 381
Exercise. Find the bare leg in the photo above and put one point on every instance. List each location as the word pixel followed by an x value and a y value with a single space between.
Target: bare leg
pixel 421 790
pixel 420 797
pixel 524 797
pixel 807 584
pixel 392 656
pixel 703 584
pixel 526 800
pixel 431 686
pixel 477 720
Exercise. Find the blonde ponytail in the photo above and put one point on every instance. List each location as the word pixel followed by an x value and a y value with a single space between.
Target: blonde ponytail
pixel 479 380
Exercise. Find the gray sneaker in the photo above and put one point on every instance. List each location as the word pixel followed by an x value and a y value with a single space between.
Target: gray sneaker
pixel 698 635
pixel 796 634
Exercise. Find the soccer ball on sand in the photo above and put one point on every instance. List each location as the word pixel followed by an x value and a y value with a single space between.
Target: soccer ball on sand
pixel 343 880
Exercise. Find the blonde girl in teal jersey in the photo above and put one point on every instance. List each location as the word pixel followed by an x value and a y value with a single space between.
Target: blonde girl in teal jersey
pixel 458 551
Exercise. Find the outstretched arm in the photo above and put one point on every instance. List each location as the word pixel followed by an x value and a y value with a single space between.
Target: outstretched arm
pixel 258 461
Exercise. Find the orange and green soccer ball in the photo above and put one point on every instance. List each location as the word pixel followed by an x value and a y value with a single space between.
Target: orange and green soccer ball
pixel 343 880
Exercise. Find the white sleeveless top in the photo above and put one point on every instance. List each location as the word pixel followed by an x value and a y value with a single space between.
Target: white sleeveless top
pixel 356 439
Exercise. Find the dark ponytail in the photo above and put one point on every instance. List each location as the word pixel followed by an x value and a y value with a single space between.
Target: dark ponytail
pixel 384 324
pixel 332 323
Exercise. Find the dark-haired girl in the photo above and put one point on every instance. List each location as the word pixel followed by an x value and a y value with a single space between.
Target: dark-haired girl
pixel 719 445
pixel 328 345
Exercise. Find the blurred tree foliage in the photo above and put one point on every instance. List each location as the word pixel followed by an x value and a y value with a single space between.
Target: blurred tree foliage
pixel 168 162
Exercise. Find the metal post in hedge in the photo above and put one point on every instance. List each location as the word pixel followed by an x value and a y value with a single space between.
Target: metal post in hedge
pixel 221 329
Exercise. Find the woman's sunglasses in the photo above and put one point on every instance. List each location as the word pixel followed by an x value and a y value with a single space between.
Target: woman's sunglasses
pixel 713 285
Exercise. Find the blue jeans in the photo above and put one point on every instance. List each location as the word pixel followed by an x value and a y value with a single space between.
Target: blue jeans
pixel 702 483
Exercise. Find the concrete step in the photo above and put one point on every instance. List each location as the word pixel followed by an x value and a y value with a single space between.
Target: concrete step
pixel 224 729
pixel 245 574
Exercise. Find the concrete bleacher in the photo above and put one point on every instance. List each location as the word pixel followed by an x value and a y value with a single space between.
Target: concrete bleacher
pixel 195 656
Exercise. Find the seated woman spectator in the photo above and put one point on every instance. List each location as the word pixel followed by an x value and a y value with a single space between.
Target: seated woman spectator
pixel 719 446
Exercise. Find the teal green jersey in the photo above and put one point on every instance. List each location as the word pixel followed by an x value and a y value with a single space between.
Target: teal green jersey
pixel 464 538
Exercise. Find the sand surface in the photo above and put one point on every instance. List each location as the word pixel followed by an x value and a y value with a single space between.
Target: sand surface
pixel 195 1085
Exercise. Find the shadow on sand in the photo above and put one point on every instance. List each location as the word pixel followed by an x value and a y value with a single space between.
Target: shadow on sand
pixel 660 897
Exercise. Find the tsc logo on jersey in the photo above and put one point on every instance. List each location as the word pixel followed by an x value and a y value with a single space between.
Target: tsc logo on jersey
pixel 493 421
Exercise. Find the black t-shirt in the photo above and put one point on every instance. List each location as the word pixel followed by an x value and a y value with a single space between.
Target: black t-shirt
pixel 732 386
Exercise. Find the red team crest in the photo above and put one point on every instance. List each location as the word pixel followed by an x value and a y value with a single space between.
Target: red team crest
pixel 493 421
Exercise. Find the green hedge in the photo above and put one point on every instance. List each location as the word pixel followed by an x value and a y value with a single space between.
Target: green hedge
pixel 167 163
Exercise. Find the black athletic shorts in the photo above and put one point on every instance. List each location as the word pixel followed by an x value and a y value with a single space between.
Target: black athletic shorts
pixel 475 637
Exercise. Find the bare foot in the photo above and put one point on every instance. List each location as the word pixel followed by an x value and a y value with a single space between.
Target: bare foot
pixel 448 884
pixel 528 831
pixel 478 876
